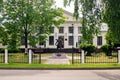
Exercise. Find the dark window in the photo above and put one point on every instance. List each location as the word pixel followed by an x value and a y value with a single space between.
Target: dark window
pixel 79 39
pixel 62 38
pixel 71 40
pixel 23 40
pixel 71 30
pixel 99 40
pixel 79 30
pixel 51 40
pixel 61 30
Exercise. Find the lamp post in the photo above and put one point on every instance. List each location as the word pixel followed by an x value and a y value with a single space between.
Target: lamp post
pixel 72 44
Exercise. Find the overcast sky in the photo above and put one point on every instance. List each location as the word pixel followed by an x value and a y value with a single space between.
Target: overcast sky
pixel 59 3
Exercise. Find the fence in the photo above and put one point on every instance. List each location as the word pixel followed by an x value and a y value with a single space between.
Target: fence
pixel 102 58
pixel 2 58
pixel 75 57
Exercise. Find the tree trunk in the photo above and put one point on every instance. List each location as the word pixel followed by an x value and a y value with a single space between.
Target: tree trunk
pixel 26 42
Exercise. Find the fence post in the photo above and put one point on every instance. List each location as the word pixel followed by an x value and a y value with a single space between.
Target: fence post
pixel 30 56
pixel 83 57
pixel 119 56
pixel 6 56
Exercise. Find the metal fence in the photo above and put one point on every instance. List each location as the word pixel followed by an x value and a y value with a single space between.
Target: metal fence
pixel 101 58
pixel 17 58
pixel 40 58
pixel 74 58
pixel 2 58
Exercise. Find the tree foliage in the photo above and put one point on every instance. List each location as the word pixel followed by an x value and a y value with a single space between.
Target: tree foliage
pixel 112 18
pixel 91 17
pixel 30 19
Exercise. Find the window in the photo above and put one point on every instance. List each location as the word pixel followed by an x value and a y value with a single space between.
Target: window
pixel 99 40
pixel 51 40
pixel 79 39
pixel 23 40
pixel 71 40
pixel 79 30
pixel 71 30
pixel 61 30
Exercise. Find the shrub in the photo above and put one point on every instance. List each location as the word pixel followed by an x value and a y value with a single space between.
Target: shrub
pixel 2 50
pixel 107 49
pixel 14 51
pixel 89 48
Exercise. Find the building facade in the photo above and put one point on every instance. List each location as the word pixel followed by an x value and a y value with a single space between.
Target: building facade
pixel 70 33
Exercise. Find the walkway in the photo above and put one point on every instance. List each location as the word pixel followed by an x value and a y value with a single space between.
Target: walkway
pixel 56 58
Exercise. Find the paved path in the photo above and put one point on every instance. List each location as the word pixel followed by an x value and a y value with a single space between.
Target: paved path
pixel 58 59
pixel 59 74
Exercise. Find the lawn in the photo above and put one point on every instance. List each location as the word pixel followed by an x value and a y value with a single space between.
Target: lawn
pixel 53 66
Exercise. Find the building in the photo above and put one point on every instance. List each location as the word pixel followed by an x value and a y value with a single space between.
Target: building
pixel 70 32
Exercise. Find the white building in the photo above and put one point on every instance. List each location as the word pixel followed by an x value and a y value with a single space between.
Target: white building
pixel 70 33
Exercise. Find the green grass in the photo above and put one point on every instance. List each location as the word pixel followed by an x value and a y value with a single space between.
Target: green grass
pixel 50 66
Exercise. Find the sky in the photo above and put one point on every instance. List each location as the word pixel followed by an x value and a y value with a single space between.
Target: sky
pixel 59 3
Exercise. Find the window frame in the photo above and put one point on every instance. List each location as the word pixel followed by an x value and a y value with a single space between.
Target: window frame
pixel 71 40
pixel 99 40
pixel 51 42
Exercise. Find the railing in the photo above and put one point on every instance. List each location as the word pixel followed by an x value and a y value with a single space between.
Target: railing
pixel 2 58
pixel 75 57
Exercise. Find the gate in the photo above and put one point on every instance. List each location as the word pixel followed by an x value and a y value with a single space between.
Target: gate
pixel 40 56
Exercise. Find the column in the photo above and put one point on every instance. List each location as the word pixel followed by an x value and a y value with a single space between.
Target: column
pixel 30 56
pixel 82 57
pixel 6 56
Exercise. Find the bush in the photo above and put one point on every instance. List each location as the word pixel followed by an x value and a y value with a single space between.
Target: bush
pixel 2 50
pixel 14 51
pixel 89 48
pixel 107 49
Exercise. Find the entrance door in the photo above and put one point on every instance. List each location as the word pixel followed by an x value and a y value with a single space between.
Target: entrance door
pixel 62 38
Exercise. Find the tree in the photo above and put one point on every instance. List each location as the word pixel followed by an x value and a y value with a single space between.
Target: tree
pixel 112 18
pixel 91 17
pixel 30 19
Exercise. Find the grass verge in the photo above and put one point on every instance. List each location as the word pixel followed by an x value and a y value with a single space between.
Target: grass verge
pixel 60 66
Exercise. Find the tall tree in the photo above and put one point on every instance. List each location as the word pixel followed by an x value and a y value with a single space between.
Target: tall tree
pixel 30 19
pixel 112 18
pixel 91 17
